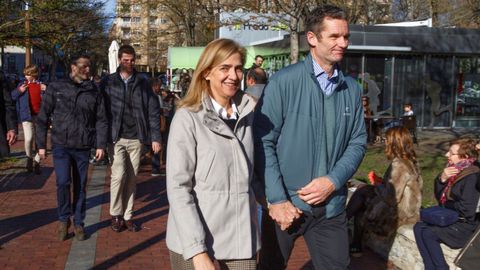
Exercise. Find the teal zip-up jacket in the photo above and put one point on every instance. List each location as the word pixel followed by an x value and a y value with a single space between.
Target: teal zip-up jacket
pixel 289 130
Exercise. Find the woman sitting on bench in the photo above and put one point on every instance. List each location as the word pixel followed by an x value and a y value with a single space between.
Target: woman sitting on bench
pixel 393 200
pixel 456 189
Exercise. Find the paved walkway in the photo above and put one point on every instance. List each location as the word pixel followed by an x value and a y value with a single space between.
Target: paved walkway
pixel 28 223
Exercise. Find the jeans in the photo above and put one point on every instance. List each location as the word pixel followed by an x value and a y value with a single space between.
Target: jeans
pixel 71 166
pixel 429 246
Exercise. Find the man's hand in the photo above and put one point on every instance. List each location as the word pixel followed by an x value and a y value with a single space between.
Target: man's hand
pixel 201 261
pixel 317 191
pixel 156 147
pixel 284 214
pixel 11 137
pixel 99 154
pixel 447 173
pixel 43 87
pixel 41 153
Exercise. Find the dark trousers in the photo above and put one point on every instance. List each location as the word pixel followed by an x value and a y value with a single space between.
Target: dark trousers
pixel 327 241
pixel 428 244
pixel 156 162
pixel 71 166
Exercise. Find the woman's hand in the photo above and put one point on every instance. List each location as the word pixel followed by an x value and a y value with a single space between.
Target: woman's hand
pixel 447 173
pixel 201 261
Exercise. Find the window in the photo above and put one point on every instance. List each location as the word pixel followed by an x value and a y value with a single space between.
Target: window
pixel 136 32
pixel 153 32
pixel 126 19
pixel 153 44
pixel 136 44
pixel 135 19
pixel 138 56
pixel 467 91
pixel 136 8
pixel 152 19
pixel 126 32
pixel 162 21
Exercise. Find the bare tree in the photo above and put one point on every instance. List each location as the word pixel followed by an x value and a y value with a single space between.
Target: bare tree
pixel 467 14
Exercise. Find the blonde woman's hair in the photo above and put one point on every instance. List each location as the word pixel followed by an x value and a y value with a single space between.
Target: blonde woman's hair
pixel 31 70
pixel 214 54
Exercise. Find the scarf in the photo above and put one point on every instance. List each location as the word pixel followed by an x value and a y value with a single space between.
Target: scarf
pixel 460 166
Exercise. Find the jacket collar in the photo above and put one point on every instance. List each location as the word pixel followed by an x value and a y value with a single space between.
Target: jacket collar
pixel 245 104
pixel 308 62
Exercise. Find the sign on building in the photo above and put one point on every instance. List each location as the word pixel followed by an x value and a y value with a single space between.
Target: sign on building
pixel 251 28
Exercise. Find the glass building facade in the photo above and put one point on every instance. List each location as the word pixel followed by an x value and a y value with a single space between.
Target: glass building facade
pixel 437 70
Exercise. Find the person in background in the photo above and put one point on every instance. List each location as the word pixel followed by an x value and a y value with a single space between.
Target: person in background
pixel 407 109
pixel 367 115
pixel 210 167
pixel 28 98
pixel 256 80
pixel 310 138
pixel 158 161
pixel 392 200
pixel 258 62
pixel 455 189
pixel 79 124
pixel 134 120
pixel 8 117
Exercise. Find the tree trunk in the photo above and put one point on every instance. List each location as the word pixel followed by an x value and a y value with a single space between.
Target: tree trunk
pixel 3 58
pixel 294 41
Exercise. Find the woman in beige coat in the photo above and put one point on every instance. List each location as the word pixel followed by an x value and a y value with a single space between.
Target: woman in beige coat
pixel 213 212
pixel 392 201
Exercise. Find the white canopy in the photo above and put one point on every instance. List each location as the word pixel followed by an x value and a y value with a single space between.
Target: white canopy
pixel 113 57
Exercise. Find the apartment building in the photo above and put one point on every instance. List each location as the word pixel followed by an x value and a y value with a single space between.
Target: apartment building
pixel 144 25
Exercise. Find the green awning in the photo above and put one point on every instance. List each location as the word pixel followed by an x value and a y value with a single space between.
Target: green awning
pixel 187 57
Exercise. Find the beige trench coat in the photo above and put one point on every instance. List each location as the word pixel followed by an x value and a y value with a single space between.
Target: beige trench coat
pixel 209 183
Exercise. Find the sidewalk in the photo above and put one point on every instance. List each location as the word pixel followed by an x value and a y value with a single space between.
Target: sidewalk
pixel 28 223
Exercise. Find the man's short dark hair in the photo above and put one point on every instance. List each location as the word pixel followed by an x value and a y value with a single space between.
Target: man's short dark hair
pixel 314 20
pixel 259 56
pixel 127 49
pixel 74 58
pixel 258 75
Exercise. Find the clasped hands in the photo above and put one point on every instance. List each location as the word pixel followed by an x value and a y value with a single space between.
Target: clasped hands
pixel 315 192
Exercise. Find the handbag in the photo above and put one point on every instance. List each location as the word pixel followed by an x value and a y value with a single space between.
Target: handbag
pixel 438 216
pixel 469 257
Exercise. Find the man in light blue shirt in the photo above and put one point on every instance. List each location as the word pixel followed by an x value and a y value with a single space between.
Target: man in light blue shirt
pixel 309 140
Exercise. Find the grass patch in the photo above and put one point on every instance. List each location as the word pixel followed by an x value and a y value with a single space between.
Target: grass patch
pixel 7 163
pixel 430 166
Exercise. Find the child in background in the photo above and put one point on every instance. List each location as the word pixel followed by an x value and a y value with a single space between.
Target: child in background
pixel 407 109
pixel 28 98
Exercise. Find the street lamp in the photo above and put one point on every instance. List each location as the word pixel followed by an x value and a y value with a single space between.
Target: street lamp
pixel 27 35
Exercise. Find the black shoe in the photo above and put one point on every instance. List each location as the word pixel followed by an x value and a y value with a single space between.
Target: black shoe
pixel 131 226
pixel 156 173
pixel 29 165
pixel 356 251
pixel 117 223
pixel 36 167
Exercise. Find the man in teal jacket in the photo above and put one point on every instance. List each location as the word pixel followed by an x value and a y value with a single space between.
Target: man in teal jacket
pixel 309 140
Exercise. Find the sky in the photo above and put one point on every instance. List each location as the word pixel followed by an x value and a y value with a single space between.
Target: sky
pixel 109 8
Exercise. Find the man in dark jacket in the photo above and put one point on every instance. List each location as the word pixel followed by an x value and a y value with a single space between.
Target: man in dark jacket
pixel 8 117
pixel 79 123
pixel 134 120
